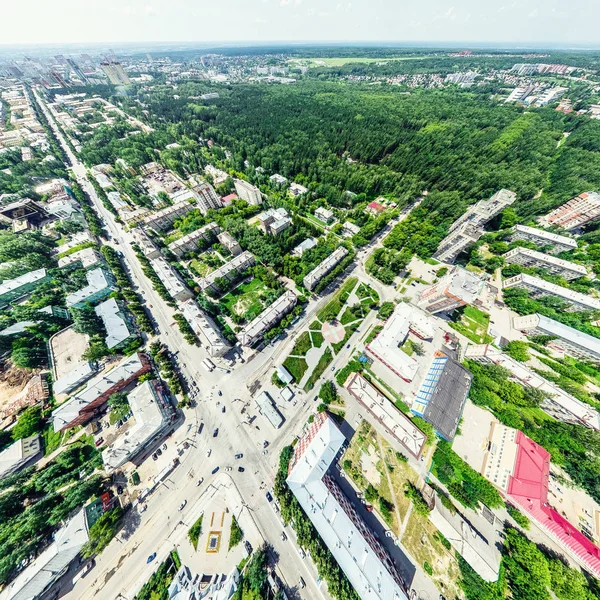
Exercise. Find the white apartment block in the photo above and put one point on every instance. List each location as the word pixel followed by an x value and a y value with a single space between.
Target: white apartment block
pixel 268 318
pixel 457 288
pixel 323 268
pixel 469 228
pixel 207 197
pixel 559 243
pixel 189 242
pixel 171 280
pixel 205 329
pixel 146 245
pixel 164 219
pixel 324 214
pixel 229 242
pixel 569 340
pixel 556 266
pixel 228 271
pixel 278 179
pixel 539 287
pixel 248 192
pixel 575 213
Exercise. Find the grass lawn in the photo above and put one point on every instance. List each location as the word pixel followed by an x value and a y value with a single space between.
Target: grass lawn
pixel 52 439
pixel 245 299
pixel 473 324
pixel 332 309
pixel 350 329
pixel 302 345
pixel 349 316
pixel 296 366
pixel 315 325
pixel 318 370
pixel 373 333
pixel 200 267
pixel 195 531
pixel 366 292
pixel 317 338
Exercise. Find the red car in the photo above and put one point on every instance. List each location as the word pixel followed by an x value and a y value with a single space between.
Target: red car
pixel 99 442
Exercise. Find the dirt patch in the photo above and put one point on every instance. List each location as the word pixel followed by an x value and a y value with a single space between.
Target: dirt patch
pixel 12 383
pixel 369 461
pixel 67 347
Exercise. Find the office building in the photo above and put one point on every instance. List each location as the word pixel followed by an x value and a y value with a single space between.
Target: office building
pixel 570 341
pixel 556 243
pixel 229 271
pixel 192 241
pixel 248 192
pixel 442 395
pixel 469 228
pixel 207 198
pixel 100 285
pixel 576 213
pixel 171 279
pixel 302 247
pixel 152 415
pixel 555 266
pixel 115 72
pixel 146 245
pixel 19 454
pixel 457 288
pixel 230 243
pixel 557 403
pixel 205 329
pixel 269 410
pixel 49 566
pixel 119 330
pixel 361 556
pixel 82 406
pixel 325 267
pixel 574 301
pixel 163 219
pixel 11 289
pixel 267 319
pixel 383 412
pixel 324 214
pixel 88 258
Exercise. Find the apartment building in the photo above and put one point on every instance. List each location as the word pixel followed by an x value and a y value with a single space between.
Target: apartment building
pixel 229 271
pixel 575 213
pixel 558 243
pixel 297 190
pixel 230 243
pixel 147 246
pixel 537 287
pixel 171 279
pixel 248 192
pixel 312 479
pixel 555 266
pixel 311 280
pixel 457 288
pixel 207 198
pixel 274 220
pixel 324 214
pixel 304 246
pixel 19 454
pixel 267 319
pixel 191 241
pixel 11 289
pixel 568 340
pixel 205 329
pixel 119 329
pixel 278 180
pixel 163 220
pixel 469 228
pixel 100 285
pixel 82 237
pixel 88 258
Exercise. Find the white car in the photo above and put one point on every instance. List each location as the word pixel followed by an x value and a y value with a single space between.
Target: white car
pixel 182 505
pixel 143 508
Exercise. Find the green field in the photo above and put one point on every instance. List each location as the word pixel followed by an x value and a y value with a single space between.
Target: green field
pixel 245 299
pixel 296 366
pixel 473 324
pixel 203 265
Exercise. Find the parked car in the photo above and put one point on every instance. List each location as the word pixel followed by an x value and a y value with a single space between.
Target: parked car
pixel 216 432
pixel 200 427
pixel 283 536
pixel 164 447
pixel 99 442
pixel 241 469
pixel 155 456
pixel 215 470
pixel 119 489
pixel 265 444
pixel 238 456
pixel 248 547
pixel 186 445
pixel 227 469
pixel 223 409
pixel 208 452
pixel 220 393
pixel 151 558
pixel 182 505
pixel 200 481
pixel 158 451
pixel 143 508
pixel 269 497
pixel 301 583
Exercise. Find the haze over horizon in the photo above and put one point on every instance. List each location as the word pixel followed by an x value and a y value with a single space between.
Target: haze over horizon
pixel 527 22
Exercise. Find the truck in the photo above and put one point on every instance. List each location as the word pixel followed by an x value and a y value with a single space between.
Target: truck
pixel 208 365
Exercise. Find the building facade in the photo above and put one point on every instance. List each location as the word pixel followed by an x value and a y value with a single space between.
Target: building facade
pixel 191 241
pixel 575 213
pixel 556 266
pixel 457 288
pixel 248 192
pixel 558 243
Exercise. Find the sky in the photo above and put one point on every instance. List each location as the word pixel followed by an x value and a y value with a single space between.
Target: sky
pixel 572 22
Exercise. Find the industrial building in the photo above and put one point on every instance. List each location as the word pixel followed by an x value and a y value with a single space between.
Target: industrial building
pixel 565 338
pixel 119 330
pixel 11 289
pixel 19 454
pixel 163 219
pixel 229 271
pixel 171 279
pixel 361 556
pixel 311 280
pixel 541 237
pixel 469 228
pixel 82 406
pixel 575 213
pixel 556 266
pixel 248 192
pixel 457 288
pixel 383 412
pixel 268 409
pixel 269 317
pixel 575 301
pixel 191 241
pixel 205 329
pixel 152 414
pixel 100 285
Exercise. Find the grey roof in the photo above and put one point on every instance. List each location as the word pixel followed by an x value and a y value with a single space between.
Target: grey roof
pixel 117 330
pixel 74 378
pixel 14 284
pixel 269 410
pixel 324 267
pixel 18 454
pixel 98 280
pixel 546 236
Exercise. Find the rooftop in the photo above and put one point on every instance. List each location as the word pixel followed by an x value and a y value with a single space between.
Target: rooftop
pixel 70 380
pixel 89 257
pixel 117 330
pixel 324 267
pixel 8 285
pixel 268 409
pixel 18 454
pixel 536 256
pixel 98 280
pixel 547 236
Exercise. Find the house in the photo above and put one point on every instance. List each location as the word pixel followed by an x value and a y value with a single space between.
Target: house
pixel 324 214
pixel 375 209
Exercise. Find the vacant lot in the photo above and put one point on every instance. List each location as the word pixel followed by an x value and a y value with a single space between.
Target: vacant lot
pixel 473 324
pixel 66 347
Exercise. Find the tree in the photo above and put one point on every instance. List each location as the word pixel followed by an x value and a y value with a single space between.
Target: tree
pixel 386 310
pixel 102 532
pixel 518 350
pixel 30 422
pixel 328 392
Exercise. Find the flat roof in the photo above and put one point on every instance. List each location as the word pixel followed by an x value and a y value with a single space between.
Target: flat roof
pixel 18 453
pixel 465 285
pixel 98 280
pixel 268 408
pixel 88 257
pixel 204 327
pixel 82 237
pixel 117 330
pixel 8 285
pixel 193 236
pixel 382 408
pixel 325 267
pixel 268 317
pixel 547 258
pixel 73 378
pixel 547 236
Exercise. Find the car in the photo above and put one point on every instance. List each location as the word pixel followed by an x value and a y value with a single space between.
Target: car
pixel 248 546
pixel 265 452
pixel 155 456
pixel 227 469
pixel 220 393
pixel 208 452
pixel 333 368
pixel 301 583
pixel 216 432
pixel 99 442
pixel 215 470
pixel 158 451
pixel 119 489
pixel 238 456
pixel 125 418
pixel 302 553
pixel 283 536
pixel 200 427
pixel 265 444
pixel 119 423
pixel 186 445
pixel 151 558
pixel 200 481
pixel 223 409
pixel 348 346
pixel 269 497
pixel 143 508
pixel 164 447
pixel 182 505
pixel 241 469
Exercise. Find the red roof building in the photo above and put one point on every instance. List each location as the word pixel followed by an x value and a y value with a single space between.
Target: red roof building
pixel 375 208
pixel 227 200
